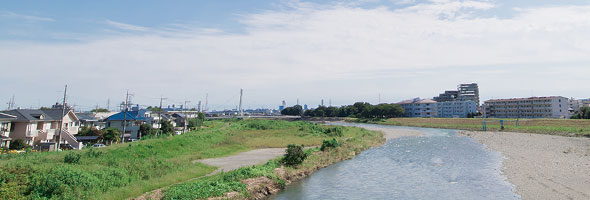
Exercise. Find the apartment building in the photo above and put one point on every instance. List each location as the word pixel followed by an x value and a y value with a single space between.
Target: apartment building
pixel 456 109
pixel 464 92
pixel 534 107
pixel 469 92
pixel 419 108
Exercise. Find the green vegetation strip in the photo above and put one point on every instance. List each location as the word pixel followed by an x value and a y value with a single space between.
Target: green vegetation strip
pixel 128 170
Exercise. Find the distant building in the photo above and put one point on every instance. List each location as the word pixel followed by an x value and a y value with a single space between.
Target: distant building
pixel 305 107
pixel 449 95
pixel 456 109
pixel 469 92
pixel 419 107
pixel 464 92
pixel 533 107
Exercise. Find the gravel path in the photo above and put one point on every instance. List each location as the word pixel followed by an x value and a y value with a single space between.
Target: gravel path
pixel 249 158
pixel 542 166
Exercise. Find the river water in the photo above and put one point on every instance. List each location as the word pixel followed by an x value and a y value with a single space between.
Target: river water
pixel 438 165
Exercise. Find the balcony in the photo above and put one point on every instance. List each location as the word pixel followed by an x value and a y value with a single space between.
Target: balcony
pixel 32 133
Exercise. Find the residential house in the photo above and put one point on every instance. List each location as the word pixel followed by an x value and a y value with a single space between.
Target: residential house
pixel 134 119
pixel 5 122
pixel 40 127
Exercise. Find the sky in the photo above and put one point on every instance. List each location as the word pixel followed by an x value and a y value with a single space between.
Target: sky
pixel 339 51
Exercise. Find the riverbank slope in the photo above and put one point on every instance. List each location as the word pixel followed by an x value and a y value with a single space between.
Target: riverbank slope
pixel 542 166
pixel 564 127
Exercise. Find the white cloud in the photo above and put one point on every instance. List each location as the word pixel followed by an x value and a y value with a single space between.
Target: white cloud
pixel 125 26
pixel 343 52
pixel 13 15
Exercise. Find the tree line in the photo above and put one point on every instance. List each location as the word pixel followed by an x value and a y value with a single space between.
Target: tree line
pixel 357 110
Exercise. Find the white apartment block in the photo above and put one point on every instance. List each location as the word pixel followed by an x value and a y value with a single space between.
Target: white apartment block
pixel 534 107
pixel 419 108
pixel 456 109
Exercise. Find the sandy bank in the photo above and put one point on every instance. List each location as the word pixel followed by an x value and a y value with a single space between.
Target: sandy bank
pixel 395 133
pixel 542 166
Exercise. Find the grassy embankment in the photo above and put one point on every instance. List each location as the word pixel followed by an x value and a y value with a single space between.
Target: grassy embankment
pixel 353 141
pixel 566 127
pixel 128 170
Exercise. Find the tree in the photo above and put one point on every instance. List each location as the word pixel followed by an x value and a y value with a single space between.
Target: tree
pixel 111 135
pixel 98 110
pixel 146 130
pixel 89 131
pixel 18 144
pixel 296 110
pixel 582 113
pixel 154 109
pixel 166 128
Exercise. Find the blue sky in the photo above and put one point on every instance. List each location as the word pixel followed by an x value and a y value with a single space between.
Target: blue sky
pixel 346 51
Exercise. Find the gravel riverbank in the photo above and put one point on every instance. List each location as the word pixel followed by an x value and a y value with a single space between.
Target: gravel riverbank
pixel 542 166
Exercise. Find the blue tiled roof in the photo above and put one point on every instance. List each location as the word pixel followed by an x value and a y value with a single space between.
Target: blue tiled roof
pixel 131 115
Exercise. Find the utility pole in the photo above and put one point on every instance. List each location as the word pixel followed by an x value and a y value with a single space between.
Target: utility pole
pixel 206 102
pixel 160 112
pixel 241 111
pixel 125 117
pixel 63 112
pixel 108 104
pixel 185 116
pixel 11 103
pixel 379 99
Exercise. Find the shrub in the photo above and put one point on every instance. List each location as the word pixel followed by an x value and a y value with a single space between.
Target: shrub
pixel 294 155
pixel 93 153
pixel 18 144
pixel 333 143
pixel 334 131
pixel 72 158
pixel 63 182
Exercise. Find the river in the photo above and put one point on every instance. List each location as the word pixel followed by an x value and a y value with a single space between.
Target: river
pixel 438 165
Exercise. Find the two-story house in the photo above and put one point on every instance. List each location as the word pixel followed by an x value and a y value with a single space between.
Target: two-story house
pixel 40 127
pixel 5 122
pixel 134 119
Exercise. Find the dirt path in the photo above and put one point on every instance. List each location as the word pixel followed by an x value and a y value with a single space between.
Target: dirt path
pixel 542 166
pixel 249 158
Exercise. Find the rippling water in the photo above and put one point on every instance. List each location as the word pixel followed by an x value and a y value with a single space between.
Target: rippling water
pixel 439 165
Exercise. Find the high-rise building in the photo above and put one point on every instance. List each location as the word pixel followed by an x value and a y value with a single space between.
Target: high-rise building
pixel 464 92
pixel 469 92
